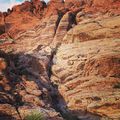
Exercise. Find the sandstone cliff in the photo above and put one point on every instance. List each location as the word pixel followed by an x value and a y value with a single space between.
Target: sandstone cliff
pixel 61 59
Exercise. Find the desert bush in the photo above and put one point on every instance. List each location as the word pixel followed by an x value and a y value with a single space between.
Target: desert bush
pixel 34 115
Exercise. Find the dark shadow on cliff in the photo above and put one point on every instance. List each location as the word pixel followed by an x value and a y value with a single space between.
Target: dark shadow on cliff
pixel 8 85
pixel 4 116
pixel 59 103
pixel 14 74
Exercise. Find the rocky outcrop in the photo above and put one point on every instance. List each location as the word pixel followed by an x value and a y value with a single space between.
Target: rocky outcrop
pixel 2 24
pixel 66 23
pixel 86 68
pixel 41 35
pixel 54 7
pixel 28 14
pixel 93 29
pixel 38 8
pixel 23 17
pixel 25 87
pixel 88 77
pixel 63 61
pixel 110 6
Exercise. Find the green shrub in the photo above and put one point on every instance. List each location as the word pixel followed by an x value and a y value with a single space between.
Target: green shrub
pixel 34 115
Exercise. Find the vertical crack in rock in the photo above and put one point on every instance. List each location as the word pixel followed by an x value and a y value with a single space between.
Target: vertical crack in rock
pixel 71 21
pixel 58 102
pixel 60 15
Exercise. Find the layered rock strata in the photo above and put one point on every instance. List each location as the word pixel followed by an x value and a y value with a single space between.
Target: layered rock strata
pixel 66 66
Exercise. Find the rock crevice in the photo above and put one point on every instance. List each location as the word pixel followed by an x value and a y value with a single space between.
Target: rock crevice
pixel 66 66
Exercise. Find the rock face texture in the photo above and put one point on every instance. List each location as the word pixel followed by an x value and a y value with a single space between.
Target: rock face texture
pixel 61 59
pixel 2 26
pixel 25 87
pixel 93 29
pixel 87 77
pixel 23 17
pixel 27 15
pixel 86 68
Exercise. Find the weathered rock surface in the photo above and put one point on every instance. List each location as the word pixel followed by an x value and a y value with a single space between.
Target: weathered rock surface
pixel 23 17
pixel 25 87
pixel 86 68
pixel 27 15
pixel 65 24
pixel 93 29
pixel 20 19
pixel 67 62
pixel 2 26
pixel 88 77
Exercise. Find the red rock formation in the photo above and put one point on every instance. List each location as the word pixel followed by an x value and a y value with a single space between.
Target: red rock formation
pixel 104 6
pixel 38 8
pixel 2 24
pixel 20 93
pixel 102 2
pixel 28 14
pixel 23 17
pixel 84 65
pixel 87 75
pixel 54 6
pixel 74 5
